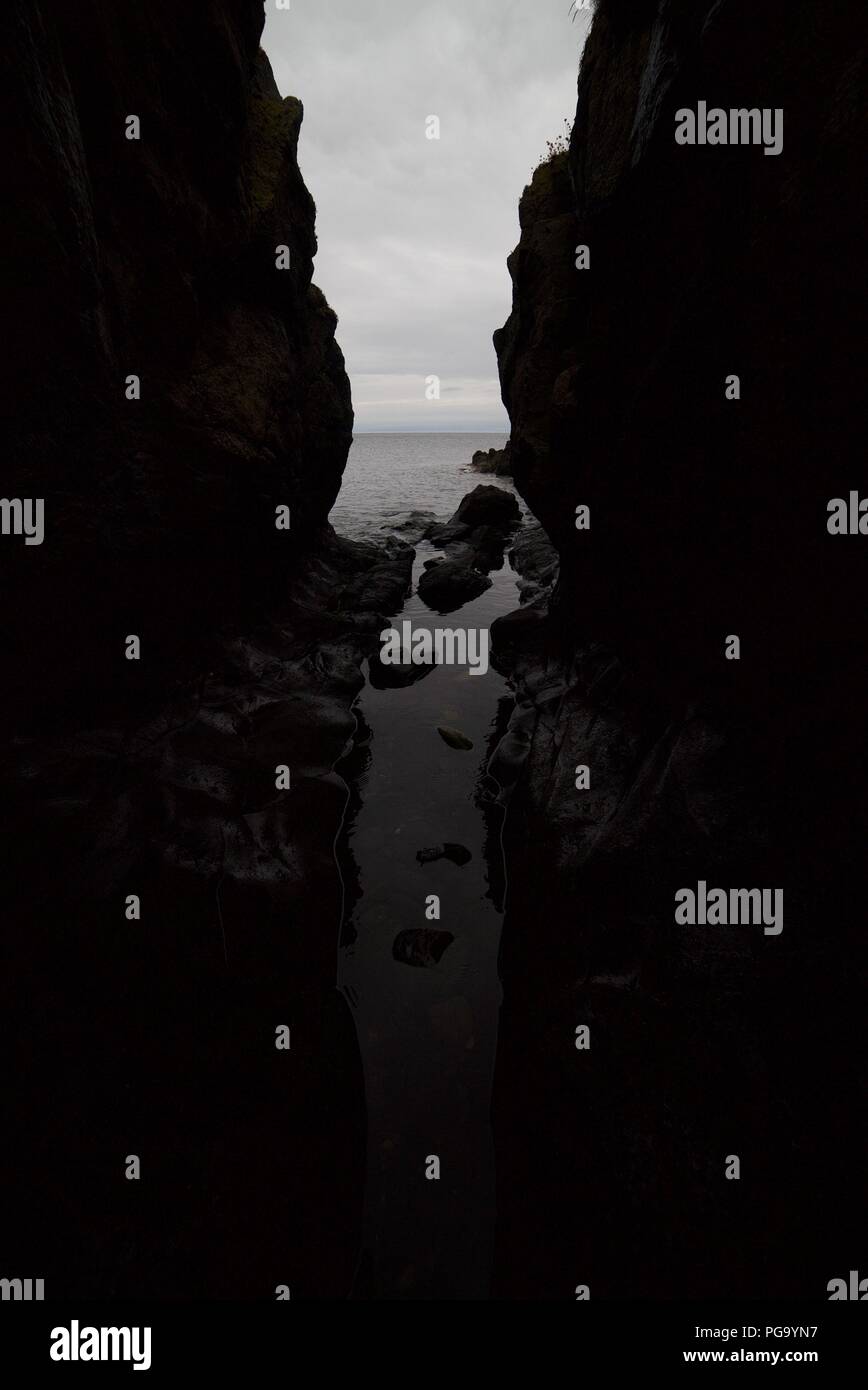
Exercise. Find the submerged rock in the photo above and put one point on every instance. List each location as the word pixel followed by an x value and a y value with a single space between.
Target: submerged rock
pixel 414 526
pixel 455 739
pixel 421 946
pixel 385 677
pixel 456 853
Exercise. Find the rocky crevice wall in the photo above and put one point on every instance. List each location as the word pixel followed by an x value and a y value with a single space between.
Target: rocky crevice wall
pixel 168 903
pixel 708 518
pixel 156 257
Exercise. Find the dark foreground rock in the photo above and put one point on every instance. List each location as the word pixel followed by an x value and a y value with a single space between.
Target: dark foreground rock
pixel 374 578
pixel 487 506
pixel 239 905
pixel 171 900
pixel 485 546
pixel 449 584
pixel 640 759
pixel 474 539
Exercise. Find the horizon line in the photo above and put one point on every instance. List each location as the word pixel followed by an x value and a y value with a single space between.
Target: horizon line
pixel 506 432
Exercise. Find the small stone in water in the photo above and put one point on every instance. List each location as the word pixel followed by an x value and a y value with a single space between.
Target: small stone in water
pixel 421 946
pixel 455 738
pixel 457 853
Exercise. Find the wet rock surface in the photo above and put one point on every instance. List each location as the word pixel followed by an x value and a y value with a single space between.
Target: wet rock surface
pixel 535 560
pixel 474 539
pixel 614 379
pixel 448 584
pixel 487 506
pixel 240 909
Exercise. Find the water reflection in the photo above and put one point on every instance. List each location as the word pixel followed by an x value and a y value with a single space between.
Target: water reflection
pixel 424 989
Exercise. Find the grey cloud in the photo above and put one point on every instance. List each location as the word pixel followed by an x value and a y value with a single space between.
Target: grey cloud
pixel 414 233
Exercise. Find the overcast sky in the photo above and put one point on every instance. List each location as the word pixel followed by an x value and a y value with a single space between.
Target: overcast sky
pixel 414 233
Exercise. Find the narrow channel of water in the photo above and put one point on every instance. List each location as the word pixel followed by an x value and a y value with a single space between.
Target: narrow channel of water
pixel 427 1032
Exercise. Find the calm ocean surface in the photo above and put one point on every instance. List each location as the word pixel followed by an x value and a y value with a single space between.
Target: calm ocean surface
pixel 389 475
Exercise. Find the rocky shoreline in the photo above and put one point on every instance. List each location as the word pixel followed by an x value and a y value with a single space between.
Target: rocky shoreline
pixel 239 901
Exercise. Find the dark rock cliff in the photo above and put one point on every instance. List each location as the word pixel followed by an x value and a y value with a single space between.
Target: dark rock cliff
pixel 148 1027
pixel 156 257
pixel 708 519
